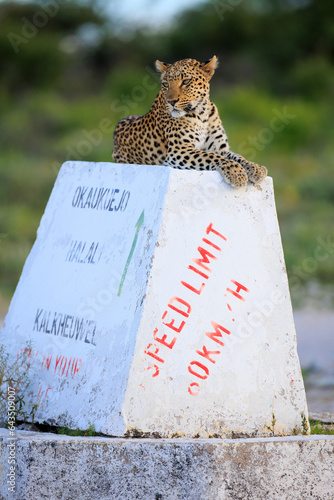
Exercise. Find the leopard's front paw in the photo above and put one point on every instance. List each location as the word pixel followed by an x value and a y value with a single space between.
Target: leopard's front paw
pixel 233 173
pixel 256 173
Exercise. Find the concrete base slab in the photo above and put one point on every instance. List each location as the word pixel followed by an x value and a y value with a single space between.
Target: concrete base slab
pixel 54 467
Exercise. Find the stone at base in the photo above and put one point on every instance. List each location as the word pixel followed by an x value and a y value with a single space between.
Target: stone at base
pixel 50 466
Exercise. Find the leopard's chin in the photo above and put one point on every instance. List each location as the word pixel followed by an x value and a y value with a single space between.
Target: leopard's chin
pixel 177 113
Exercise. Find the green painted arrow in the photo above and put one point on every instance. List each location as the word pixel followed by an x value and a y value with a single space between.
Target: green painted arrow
pixel 137 226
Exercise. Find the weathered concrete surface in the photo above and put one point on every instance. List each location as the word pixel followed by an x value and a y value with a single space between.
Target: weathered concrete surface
pixel 55 467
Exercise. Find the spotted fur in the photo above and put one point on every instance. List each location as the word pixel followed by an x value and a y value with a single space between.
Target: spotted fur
pixel 183 128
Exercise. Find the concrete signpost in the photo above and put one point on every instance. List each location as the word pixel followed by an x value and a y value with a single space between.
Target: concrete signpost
pixel 157 303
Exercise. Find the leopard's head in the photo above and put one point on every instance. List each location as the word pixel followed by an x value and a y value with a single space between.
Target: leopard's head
pixel 185 84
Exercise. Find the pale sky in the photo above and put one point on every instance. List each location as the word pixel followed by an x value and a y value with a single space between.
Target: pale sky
pixel 148 12
pixel 139 12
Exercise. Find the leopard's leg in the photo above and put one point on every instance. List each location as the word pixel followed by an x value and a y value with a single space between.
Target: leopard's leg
pixel 256 173
pixel 231 172
pixel 187 156
pixel 217 142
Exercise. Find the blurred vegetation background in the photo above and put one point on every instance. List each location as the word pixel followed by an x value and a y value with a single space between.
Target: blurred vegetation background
pixel 70 70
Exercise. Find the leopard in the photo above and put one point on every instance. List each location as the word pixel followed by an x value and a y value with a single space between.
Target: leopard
pixel 183 128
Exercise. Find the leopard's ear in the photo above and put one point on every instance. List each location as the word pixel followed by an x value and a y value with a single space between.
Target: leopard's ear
pixel 161 67
pixel 209 67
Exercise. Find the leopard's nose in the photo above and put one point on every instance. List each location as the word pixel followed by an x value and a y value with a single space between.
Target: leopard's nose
pixel 172 102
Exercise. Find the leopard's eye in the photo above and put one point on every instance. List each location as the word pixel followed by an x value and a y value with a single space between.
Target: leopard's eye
pixel 186 82
pixel 165 85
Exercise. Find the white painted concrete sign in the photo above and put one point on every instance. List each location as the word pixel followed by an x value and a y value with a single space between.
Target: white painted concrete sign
pixel 157 302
